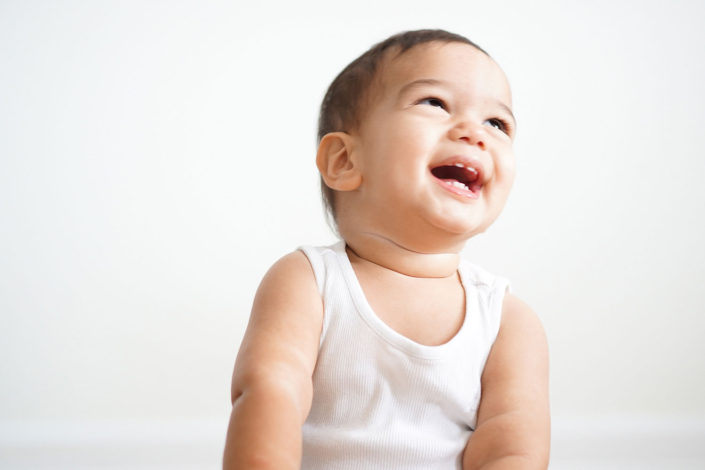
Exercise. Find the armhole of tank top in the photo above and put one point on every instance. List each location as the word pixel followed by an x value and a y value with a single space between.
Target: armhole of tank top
pixel 501 288
pixel 316 261
pixel 498 287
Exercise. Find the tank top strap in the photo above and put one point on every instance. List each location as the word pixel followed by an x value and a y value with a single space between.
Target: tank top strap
pixel 486 291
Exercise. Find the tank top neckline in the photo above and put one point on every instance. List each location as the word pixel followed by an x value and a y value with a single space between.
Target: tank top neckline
pixel 387 333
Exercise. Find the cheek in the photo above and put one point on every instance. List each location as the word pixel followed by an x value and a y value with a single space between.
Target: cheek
pixel 510 173
pixel 505 169
pixel 403 155
pixel 506 165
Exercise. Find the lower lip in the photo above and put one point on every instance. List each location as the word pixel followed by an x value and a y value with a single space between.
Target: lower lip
pixel 466 193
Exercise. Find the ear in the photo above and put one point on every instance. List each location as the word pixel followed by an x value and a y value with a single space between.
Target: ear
pixel 336 163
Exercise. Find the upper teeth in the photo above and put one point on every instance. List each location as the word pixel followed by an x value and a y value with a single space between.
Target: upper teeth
pixel 460 165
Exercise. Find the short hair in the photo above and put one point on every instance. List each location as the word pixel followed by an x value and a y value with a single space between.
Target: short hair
pixel 345 101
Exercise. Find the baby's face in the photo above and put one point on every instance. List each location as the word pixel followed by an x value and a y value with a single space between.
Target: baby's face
pixel 435 144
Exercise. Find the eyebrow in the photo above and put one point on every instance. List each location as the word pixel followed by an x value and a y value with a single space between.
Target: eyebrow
pixel 507 109
pixel 420 82
pixel 435 82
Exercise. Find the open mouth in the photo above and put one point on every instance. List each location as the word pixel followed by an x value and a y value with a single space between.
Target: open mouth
pixel 459 178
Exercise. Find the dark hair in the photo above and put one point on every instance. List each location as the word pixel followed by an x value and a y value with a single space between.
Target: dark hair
pixel 346 99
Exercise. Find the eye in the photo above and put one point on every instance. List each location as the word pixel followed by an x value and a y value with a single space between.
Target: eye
pixel 435 102
pixel 499 124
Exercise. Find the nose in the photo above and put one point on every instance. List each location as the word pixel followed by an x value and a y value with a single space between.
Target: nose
pixel 470 133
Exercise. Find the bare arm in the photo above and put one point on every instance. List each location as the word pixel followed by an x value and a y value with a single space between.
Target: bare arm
pixel 513 429
pixel 271 388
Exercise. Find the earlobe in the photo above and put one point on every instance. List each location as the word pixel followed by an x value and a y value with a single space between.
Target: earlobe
pixel 336 163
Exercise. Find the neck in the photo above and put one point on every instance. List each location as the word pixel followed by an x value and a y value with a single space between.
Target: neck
pixel 386 253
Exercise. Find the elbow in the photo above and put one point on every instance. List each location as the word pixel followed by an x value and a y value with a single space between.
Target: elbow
pixel 294 390
pixel 501 446
pixel 518 461
pixel 535 460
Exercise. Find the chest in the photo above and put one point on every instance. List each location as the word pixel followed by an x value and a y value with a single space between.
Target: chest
pixel 427 311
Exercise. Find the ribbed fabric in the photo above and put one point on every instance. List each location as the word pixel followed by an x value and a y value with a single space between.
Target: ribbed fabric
pixel 381 400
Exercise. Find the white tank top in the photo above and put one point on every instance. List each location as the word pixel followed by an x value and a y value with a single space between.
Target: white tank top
pixel 381 400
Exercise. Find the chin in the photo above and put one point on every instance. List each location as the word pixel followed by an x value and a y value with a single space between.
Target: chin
pixel 461 231
pixel 463 223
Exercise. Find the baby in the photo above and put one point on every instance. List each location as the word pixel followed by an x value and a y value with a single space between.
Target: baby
pixel 387 350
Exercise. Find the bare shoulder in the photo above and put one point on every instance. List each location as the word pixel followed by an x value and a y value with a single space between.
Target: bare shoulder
pixel 282 336
pixel 288 294
pixel 293 274
pixel 518 319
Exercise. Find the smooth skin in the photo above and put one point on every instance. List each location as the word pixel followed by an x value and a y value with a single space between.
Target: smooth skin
pixel 272 386
pixel 404 232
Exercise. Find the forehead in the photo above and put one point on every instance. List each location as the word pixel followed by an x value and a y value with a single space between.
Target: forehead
pixel 461 66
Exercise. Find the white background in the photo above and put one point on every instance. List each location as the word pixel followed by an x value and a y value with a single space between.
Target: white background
pixel 157 157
